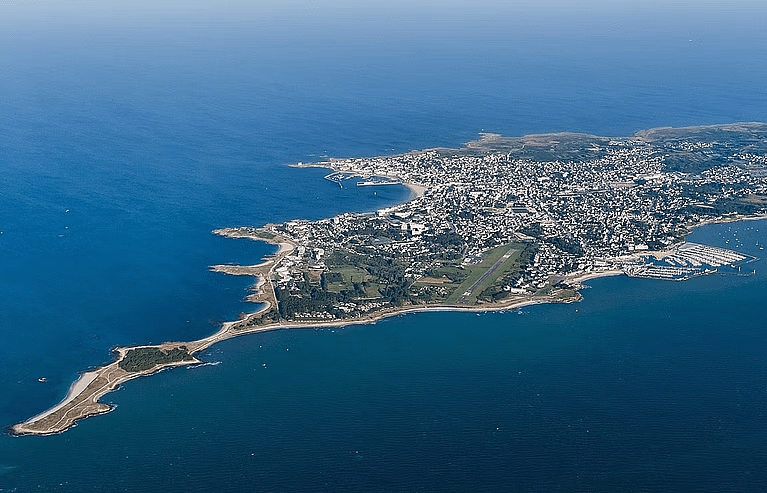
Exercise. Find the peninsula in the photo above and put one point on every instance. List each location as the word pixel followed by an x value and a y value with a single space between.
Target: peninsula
pixel 500 223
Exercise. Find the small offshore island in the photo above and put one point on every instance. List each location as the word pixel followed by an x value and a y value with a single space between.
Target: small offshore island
pixel 501 223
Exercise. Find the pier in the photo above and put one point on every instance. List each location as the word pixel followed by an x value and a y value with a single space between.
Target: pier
pixel 372 183
pixel 336 177
pixel 690 260
pixel 368 181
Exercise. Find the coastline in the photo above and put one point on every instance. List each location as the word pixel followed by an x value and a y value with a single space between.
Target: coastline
pixel 416 190
pixel 77 387
pixel 82 399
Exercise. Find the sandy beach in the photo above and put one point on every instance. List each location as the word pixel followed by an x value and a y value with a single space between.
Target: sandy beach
pixel 77 387
pixel 418 190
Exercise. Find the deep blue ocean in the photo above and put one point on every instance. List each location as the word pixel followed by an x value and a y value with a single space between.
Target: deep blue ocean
pixel 128 134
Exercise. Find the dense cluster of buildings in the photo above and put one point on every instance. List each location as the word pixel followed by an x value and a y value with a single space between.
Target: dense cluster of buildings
pixel 581 214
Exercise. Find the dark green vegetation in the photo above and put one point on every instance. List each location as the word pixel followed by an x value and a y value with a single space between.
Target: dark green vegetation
pixel 352 280
pixel 145 358
pixel 246 322
pixel 357 284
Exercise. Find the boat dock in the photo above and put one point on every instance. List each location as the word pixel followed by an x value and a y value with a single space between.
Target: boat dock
pixel 368 181
pixel 690 260
pixel 372 183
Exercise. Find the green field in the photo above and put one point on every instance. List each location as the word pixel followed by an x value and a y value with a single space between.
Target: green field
pixel 350 275
pixel 475 272
pixel 445 283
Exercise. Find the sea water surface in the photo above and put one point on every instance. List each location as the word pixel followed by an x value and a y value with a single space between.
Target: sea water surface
pixel 123 144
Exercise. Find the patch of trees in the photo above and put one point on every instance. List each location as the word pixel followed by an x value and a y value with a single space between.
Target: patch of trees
pixel 314 301
pixel 333 276
pixel 444 248
pixel 310 299
pixel 339 257
pixel 448 239
pixel 527 254
pixel 330 277
pixel 533 229
pixel 396 293
pixel 569 245
pixel 493 293
pixel 427 294
pixel 266 318
pixel 145 358
pixel 455 275
pixel 725 205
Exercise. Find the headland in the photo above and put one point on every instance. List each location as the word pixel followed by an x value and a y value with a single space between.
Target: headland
pixel 498 224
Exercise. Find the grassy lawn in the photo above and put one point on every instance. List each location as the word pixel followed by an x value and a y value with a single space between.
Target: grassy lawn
pixel 451 272
pixel 264 234
pixel 545 290
pixel 433 281
pixel 350 274
pixel 565 294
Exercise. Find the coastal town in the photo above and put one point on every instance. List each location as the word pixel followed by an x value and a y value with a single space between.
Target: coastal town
pixel 498 224
pixel 508 219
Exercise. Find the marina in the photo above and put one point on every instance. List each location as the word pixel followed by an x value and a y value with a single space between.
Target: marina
pixel 373 183
pixel 368 180
pixel 691 260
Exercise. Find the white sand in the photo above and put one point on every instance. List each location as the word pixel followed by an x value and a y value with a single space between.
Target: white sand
pixel 75 390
